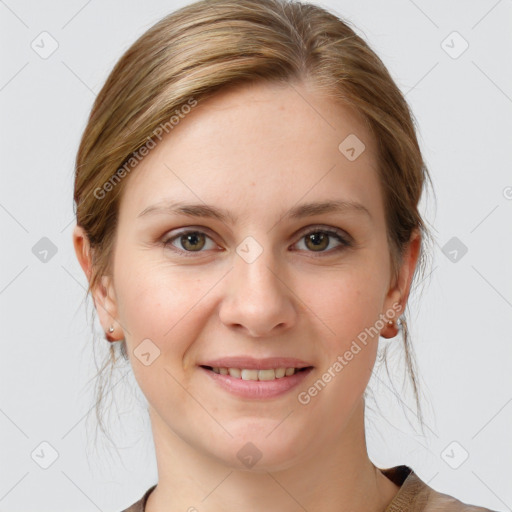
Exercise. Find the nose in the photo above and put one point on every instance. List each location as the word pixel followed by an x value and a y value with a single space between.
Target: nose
pixel 258 299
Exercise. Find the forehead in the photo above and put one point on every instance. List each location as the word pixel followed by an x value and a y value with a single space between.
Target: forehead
pixel 260 145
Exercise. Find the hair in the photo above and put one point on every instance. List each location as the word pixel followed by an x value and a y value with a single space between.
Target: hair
pixel 207 46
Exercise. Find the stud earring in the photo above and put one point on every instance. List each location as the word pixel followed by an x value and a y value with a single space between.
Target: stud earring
pixel 107 335
pixel 394 326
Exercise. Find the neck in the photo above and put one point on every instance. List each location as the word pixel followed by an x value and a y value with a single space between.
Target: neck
pixel 341 477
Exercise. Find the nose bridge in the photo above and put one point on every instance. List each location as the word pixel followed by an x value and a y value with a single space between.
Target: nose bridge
pixel 254 272
pixel 254 269
pixel 258 300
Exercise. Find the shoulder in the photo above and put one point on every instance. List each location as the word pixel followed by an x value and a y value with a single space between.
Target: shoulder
pixel 140 504
pixel 416 496
pixel 438 501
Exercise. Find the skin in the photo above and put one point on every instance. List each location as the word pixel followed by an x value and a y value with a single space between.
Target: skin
pixel 257 151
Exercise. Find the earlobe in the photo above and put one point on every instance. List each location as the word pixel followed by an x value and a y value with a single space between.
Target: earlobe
pixel 106 306
pixel 399 293
pixel 103 294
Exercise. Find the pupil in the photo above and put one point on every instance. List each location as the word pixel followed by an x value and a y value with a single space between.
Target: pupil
pixel 318 240
pixel 191 240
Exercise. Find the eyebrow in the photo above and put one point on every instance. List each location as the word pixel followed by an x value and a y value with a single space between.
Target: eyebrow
pixel 297 212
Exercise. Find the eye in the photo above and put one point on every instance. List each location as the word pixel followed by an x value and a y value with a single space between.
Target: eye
pixel 318 240
pixel 189 241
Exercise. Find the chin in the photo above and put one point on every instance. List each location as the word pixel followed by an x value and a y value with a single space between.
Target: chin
pixel 263 450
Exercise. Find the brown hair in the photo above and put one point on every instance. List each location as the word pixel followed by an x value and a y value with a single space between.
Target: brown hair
pixel 209 45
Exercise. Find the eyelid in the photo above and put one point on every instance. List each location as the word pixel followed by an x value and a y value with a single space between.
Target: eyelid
pixel 325 228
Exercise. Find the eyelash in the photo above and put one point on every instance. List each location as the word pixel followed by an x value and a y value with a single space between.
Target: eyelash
pixel 337 234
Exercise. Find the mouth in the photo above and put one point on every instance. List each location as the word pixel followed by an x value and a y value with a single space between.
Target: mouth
pixel 266 374
pixel 264 380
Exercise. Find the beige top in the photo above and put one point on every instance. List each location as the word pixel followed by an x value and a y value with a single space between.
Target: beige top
pixel 414 496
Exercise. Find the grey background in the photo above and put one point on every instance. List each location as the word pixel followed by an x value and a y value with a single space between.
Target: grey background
pixel 461 319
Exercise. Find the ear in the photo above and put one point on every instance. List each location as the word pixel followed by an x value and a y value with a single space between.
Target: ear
pixel 103 294
pixel 400 287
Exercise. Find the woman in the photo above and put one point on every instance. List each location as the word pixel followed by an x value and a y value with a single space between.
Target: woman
pixel 247 193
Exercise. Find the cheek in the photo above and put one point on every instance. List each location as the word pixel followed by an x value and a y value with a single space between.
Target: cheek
pixel 159 311
pixel 348 302
pixel 349 305
pixel 349 309
pixel 157 302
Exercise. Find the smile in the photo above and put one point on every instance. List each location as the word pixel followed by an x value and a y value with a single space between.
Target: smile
pixel 250 383
pixel 253 374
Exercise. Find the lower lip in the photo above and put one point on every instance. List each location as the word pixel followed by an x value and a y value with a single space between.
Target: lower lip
pixel 257 388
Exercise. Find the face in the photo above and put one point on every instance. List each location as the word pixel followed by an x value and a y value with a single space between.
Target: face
pixel 267 276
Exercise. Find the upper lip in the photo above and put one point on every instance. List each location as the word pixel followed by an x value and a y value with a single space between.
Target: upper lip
pixel 252 363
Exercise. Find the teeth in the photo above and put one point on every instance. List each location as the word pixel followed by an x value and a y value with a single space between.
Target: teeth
pixel 266 374
pixel 280 372
pixel 235 372
pixel 251 374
